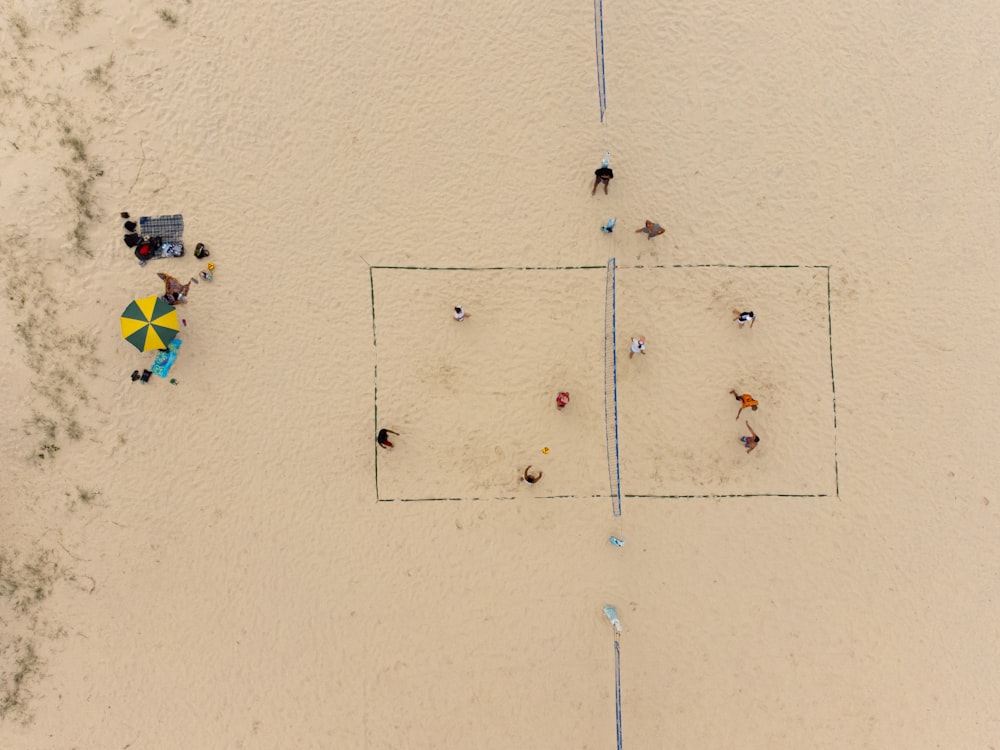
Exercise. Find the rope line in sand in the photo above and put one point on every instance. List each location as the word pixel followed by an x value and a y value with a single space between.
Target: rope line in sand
pixel 486 268
pixel 727 265
pixel 712 497
pixel 833 382
pixel 585 497
pixel 371 282
pixel 617 265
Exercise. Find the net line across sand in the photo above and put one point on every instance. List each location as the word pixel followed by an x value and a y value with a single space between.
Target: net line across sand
pixel 612 614
pixel 611 391
pixel 602 94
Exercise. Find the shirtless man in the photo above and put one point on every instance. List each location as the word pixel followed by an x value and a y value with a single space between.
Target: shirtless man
pixel 751 440
pixel 652 228
pixel 531 478
pixel 745 400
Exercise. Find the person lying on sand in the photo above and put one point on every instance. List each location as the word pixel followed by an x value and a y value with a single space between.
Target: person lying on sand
pixel 531 478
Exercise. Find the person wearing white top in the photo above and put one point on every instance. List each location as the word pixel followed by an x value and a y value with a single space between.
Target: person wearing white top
pixel 461 314
pixel 638 347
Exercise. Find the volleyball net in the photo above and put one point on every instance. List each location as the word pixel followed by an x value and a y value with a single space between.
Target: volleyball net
pixel 612 614
pixel 602 97
pixel 611 390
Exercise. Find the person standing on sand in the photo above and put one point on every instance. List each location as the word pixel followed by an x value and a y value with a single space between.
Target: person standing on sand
pixel 750 441
pixel 652 228
pixel 744 317
pixel 383 438
pixel 530 478
pixel 603 174
pixel 460 314
pixel 745 400
pixel 562 399
pixel 638 347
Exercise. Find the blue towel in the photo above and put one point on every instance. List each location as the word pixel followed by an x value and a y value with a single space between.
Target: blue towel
pixel 165 360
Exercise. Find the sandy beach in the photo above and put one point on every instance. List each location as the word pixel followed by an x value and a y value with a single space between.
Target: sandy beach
pixel 225 559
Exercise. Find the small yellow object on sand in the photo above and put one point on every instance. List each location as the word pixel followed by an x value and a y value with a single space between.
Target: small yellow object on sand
pixel 545 449
pixel 211 266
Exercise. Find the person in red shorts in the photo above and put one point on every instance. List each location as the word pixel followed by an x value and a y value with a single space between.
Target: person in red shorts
pixel 750 441
pixel 562 399
pixel 383 438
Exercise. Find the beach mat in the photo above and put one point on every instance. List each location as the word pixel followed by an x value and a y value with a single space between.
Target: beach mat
pixel 168 228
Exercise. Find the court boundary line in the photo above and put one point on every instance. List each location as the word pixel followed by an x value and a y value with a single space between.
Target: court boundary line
pixel 490 268
pixel 371 284
pixel 833 384
pixel 601 497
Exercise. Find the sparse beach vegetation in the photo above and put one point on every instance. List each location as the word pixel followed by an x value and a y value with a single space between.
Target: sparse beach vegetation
pixel 19 25
pixel 99 74
pixel 72 13
pixel 169 18
pixel 24 585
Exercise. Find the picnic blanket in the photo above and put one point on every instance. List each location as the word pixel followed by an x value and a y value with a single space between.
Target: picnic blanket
pixel 165 360
pixel 168 228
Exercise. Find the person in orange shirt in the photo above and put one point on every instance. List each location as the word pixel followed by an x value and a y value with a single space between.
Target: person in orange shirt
pixel 745 400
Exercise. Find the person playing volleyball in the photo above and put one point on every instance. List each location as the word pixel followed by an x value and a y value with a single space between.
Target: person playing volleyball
pixel 530 478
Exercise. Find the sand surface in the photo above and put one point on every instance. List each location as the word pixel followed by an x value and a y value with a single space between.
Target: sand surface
pixel 225 562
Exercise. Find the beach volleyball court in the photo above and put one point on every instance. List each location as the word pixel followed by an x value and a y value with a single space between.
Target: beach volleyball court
pixel 678 432
pixel 475 401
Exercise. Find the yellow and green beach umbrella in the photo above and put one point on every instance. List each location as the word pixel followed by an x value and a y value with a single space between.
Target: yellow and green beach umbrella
pixel 149 323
